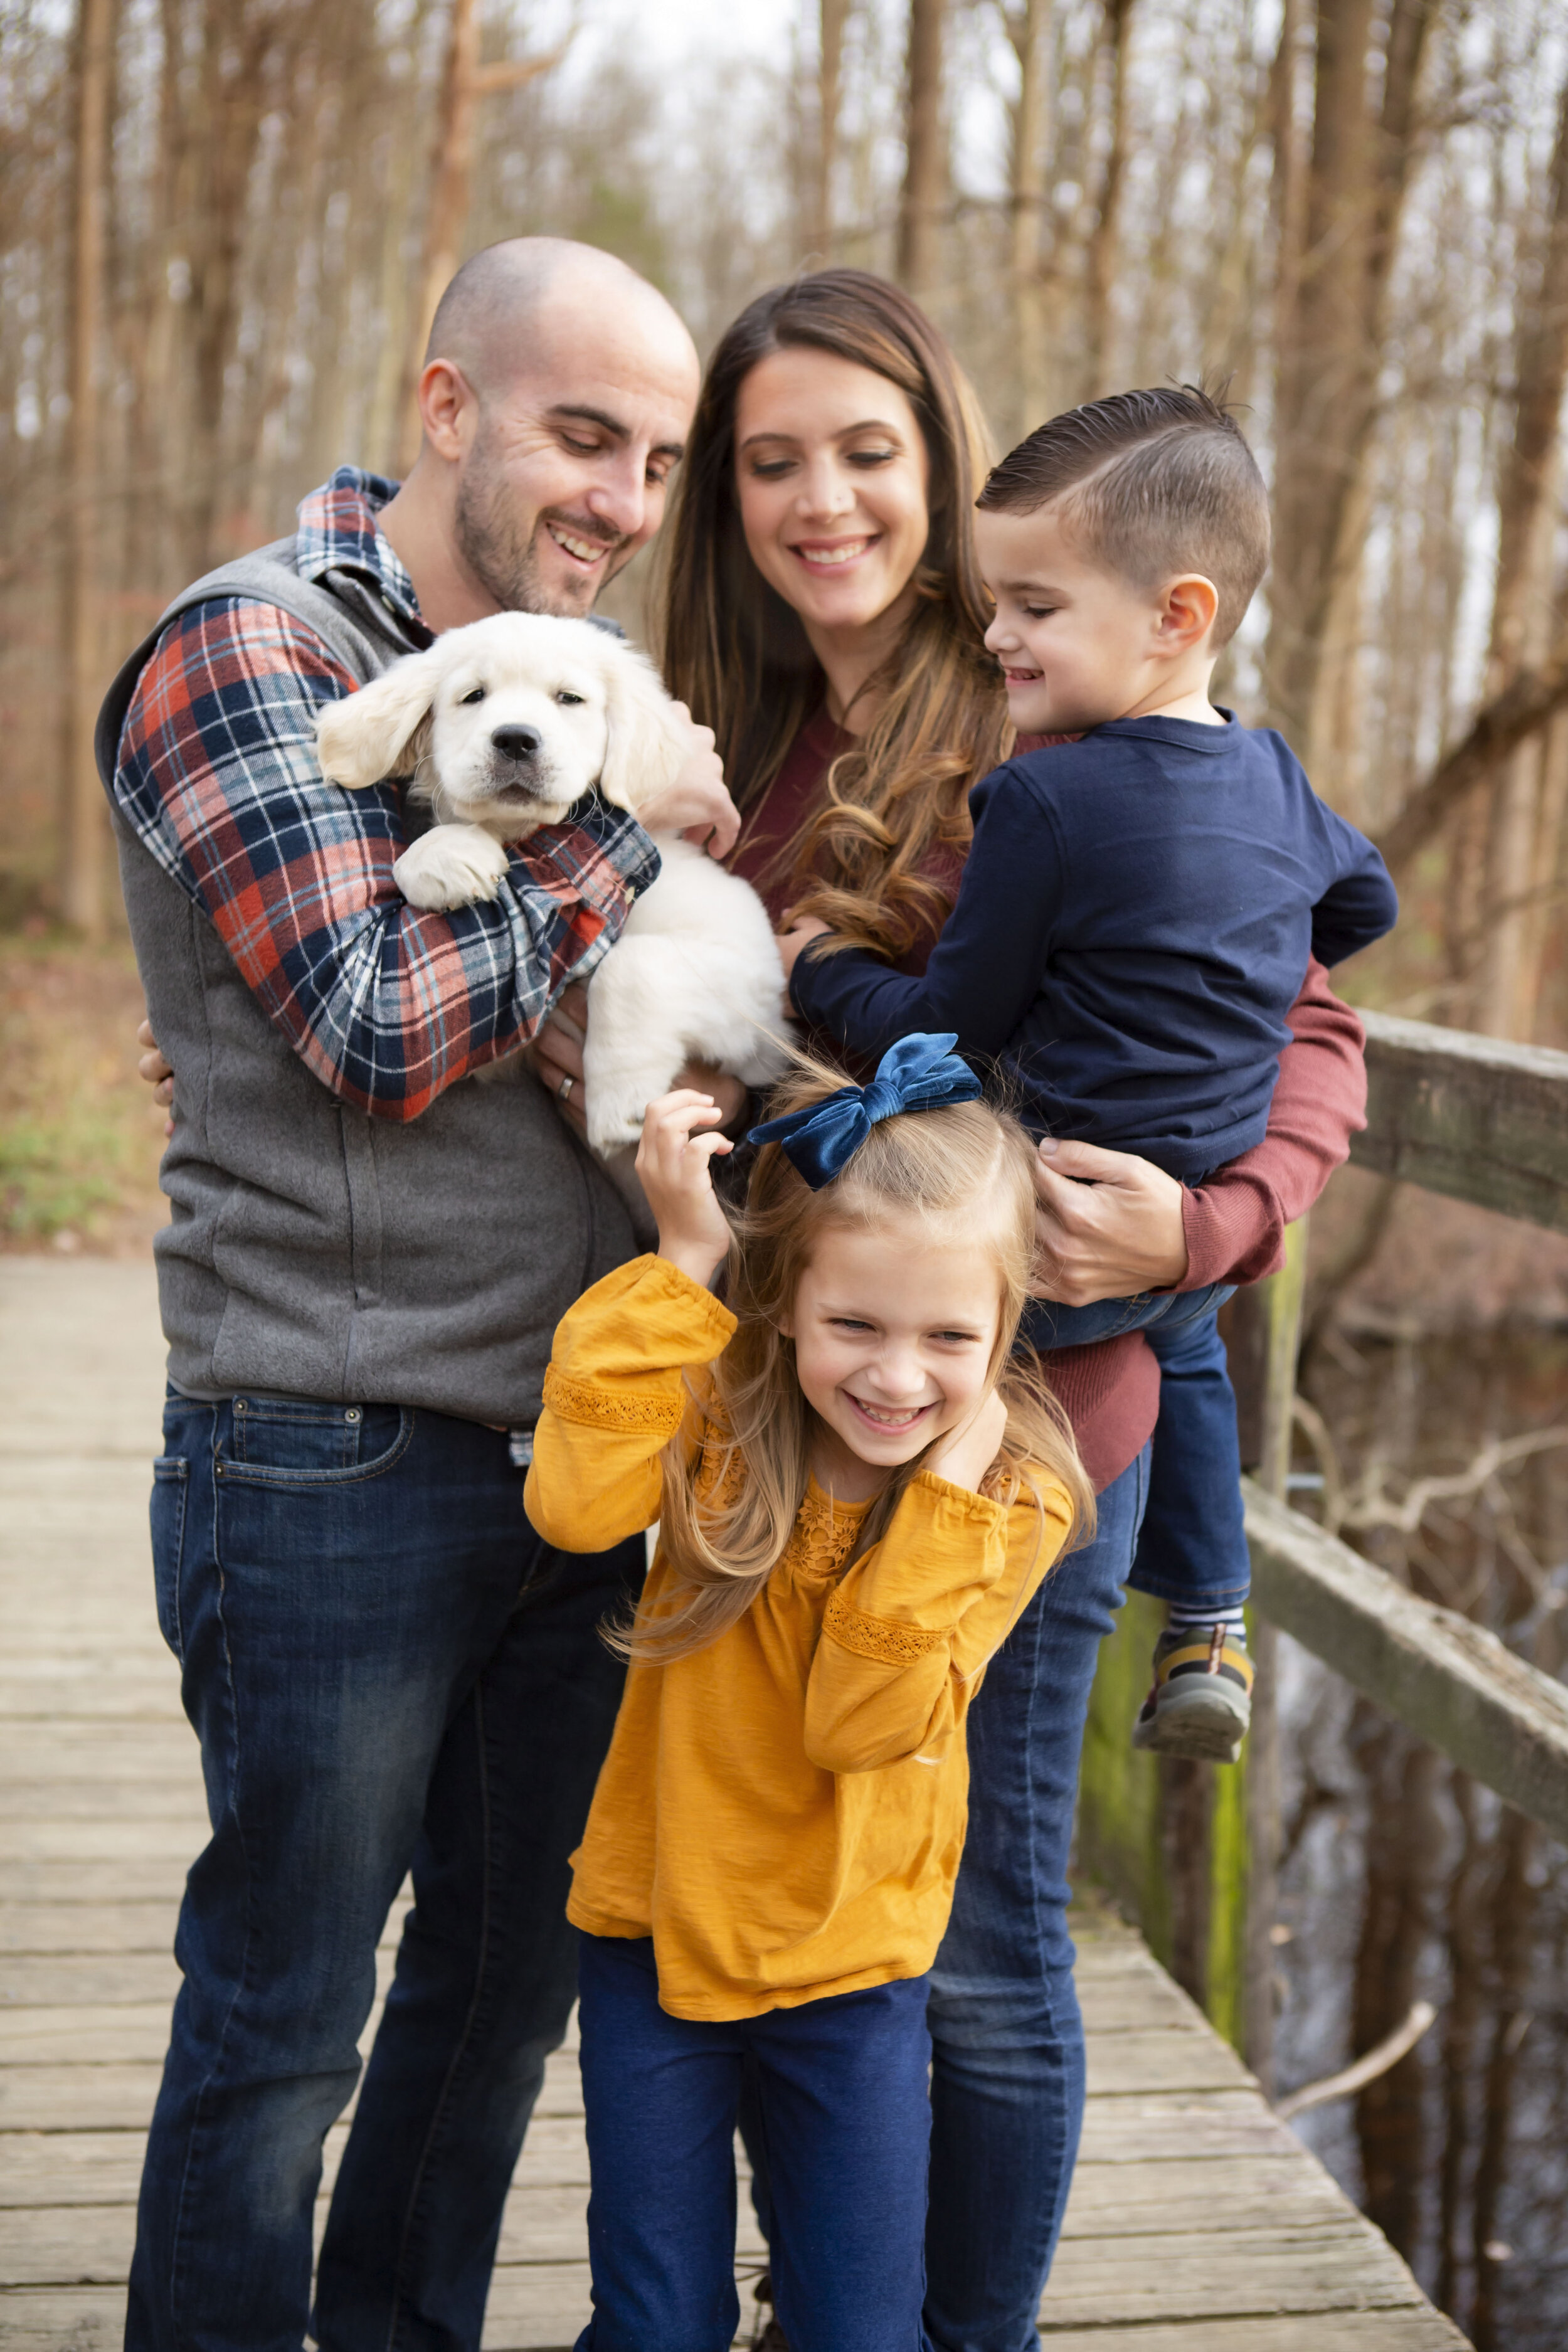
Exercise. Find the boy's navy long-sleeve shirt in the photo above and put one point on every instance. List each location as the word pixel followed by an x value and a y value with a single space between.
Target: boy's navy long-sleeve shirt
pixel 1133 925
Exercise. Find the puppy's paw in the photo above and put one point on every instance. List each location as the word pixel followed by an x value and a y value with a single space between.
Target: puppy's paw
pixel 450 865
pixel 614 1117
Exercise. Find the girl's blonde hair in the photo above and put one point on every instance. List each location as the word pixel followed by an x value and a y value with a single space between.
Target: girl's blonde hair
pixel 735 1475
pixel 897 798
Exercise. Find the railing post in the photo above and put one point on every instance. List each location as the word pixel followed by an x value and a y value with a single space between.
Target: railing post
pixel 1264 1334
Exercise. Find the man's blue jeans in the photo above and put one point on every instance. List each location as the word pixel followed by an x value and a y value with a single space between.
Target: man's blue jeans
pixel 386 1670
pixel 1194 1545
pixel 841 2107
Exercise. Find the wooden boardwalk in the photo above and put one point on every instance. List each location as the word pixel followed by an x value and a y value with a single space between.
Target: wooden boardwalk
pixel 1198 2223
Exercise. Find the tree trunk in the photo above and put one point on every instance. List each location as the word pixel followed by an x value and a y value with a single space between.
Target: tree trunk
pixel 83 832
pixel 1521 616
pixel 451 162
pixel 1329 314
pixel 925 164
pixel 1102 257
pixel 1028 29
pixel 832 18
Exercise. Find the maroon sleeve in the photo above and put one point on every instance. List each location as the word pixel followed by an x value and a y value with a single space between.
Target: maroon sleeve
pixel 1236 1222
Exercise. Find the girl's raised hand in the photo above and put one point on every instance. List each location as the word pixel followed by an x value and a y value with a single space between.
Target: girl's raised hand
pixel 673 1165
pixel 966 1453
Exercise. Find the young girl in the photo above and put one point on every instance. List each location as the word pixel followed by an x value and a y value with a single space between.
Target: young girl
pixel 858 1493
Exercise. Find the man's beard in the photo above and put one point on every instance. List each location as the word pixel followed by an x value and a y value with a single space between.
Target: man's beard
pixel 505 563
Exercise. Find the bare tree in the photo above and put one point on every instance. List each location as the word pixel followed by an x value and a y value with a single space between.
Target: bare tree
pixel 1103 259
pixel 1029 26
pixel 463 83
pixel 833 18
pixel 925 150
pixel 1331 329
pixel 83 833
pixel 1522 609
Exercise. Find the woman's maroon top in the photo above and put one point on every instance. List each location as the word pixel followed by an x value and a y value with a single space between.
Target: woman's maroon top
pixel 1235 1223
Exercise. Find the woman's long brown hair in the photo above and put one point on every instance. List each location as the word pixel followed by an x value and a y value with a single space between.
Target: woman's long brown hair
pixel 737 654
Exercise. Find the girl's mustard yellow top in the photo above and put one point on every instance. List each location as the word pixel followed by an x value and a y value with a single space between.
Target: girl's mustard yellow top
pixel 783 1811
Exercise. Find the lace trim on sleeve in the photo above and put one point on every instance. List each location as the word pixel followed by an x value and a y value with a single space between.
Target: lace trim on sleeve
pixel 654 1416
pixel 881 1637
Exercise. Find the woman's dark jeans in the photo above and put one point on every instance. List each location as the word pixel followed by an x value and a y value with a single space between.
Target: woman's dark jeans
pixel 1007 2061
pixel 1194 1545
pixel 387 1670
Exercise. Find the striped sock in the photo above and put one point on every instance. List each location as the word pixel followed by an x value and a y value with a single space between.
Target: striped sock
pixel 1183 1617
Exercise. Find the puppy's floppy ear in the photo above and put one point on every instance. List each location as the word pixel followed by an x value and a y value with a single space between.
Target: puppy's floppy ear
pixel 649 741
pixel 372 734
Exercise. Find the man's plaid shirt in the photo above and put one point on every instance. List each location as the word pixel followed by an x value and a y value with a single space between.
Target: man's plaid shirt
pixel 217 775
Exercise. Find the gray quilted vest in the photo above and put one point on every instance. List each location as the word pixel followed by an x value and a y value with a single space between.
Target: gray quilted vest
pixel 314 1251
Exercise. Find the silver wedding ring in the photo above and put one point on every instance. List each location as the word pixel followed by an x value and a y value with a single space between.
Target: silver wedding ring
pixel 563 1090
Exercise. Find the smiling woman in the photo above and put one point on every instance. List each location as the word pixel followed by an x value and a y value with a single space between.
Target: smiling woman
pixel 821 575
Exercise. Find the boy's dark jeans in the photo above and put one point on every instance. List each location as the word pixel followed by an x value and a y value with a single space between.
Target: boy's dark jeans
pixel 1193 1547
pixel 386 1669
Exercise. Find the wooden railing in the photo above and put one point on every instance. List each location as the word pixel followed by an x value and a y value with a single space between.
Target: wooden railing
pixel 1195 1851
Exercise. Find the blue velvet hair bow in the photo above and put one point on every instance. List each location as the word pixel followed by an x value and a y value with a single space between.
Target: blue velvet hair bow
pixel 919 1073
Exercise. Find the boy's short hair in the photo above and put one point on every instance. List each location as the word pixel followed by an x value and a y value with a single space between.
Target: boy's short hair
pixel 1153 484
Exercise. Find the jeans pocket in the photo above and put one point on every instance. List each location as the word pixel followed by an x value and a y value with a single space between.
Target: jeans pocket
pixel 171 1491
pixel 292 1442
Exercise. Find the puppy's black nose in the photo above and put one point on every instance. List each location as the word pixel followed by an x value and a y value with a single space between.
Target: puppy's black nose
pixel 517 742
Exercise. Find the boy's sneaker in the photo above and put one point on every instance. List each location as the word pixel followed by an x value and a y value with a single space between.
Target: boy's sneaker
pixel 767 2336
pixel 1200 1702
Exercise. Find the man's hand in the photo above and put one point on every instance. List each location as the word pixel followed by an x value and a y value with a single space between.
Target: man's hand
pixel 802 927
pixel 1106 1226
pixel 698 802
pixel 673 1169
pixel 558 1056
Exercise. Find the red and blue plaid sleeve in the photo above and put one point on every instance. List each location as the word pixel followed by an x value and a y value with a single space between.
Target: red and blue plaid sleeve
pixel 385 1004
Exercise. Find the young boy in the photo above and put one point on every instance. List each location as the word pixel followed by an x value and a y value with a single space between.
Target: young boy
pixel 1135 922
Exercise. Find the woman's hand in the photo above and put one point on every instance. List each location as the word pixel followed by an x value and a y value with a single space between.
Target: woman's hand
pixel 1106 1226
pixel 157 1073
pixel 966 1453
pixel 802 927
pixel 698 802
pixel 672 1166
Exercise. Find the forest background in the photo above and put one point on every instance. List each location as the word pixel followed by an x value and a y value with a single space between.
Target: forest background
pixel 223 223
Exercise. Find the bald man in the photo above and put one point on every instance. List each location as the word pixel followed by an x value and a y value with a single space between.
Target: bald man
pixel 386 1670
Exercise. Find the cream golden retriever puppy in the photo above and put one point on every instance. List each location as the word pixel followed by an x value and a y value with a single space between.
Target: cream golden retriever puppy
pixel 501 727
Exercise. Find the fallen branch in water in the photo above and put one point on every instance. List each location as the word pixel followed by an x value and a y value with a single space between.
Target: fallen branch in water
pixel 1378 2060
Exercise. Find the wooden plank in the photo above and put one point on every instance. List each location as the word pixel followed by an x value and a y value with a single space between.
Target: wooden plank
pixel 1353 2331
pixel 1190 2128
pixel 1449 1681
pixel 1471 1117
pixel 1132 2002
pixel 64 2319
pixel 90 1840
pixel 110 2036
pixel 32 1797
pixel 74 2097
pixel 84 1979
pixel 1253 2192
pixel 1126 2063
pixel 87 1928
pixel 1331 2268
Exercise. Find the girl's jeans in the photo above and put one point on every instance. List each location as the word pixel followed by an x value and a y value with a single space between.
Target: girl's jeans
pixel 1194 1545
pixel 387 1670
pixel 1007 2063
pixel 840 2104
